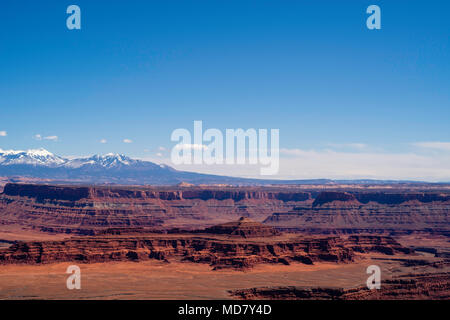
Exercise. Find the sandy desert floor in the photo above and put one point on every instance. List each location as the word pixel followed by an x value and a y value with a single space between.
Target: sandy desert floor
pixel 176 280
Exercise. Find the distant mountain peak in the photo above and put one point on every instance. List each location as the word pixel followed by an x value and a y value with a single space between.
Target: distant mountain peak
pixel 40 152
pixel 109 160
pixel 31 157
pixel 111 154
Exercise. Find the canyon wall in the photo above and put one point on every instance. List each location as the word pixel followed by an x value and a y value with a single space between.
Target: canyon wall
pixel 343 212
pixel 75 193
pixel 215 250
pixel 87 209
pixel 84 210
pixel 430 286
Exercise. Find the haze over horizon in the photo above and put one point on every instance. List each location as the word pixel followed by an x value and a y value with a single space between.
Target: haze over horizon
pixel 350 103
pixel 43 157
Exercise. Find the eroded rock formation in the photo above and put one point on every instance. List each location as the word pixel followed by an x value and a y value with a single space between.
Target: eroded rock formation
pixel 87 209
pixel 84 210
pixel 419 286
pixel 392 213
pixel 243 249
pixel 244 227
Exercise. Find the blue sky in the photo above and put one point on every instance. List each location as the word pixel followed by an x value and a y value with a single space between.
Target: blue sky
pixel 138 70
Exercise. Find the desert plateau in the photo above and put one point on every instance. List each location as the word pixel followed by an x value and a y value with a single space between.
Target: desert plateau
pixel 223 242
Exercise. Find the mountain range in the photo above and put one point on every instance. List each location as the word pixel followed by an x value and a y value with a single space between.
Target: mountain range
pixel 108 168
pixel 100 169
pixel 120 169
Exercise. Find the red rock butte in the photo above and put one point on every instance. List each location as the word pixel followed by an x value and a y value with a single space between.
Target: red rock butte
pixel 244 227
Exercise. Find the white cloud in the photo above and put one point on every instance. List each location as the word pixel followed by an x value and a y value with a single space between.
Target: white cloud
pixel 127 141
pixel 358 165
pixel 162 149
pixel 3 133
pixel 348 145
pixel 190 146
pixel 40 137
pixel 313 164
pixel 437 145
pixel 103 141
pixel 159 154
pixel 51 138
pixel 293 152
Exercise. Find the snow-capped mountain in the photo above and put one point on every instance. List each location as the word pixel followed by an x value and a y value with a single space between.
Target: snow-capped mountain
pixel 42 157
pixel 109 160
pixel 108 168
pixel 97 169
pixel 39 157
pixel 111 169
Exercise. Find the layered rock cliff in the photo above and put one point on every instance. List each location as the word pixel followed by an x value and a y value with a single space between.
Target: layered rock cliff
pixel 75 193
pixel 342 212
pixel 219 249
pixel 244 227
pixel 217 252
pixel 87 209
pixel 435 286
pixel 83 210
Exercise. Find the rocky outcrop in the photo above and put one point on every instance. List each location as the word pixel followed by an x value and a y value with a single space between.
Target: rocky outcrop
pixel 392 198
pixel 46 192
pixel 387 198
pixel 369 243
pixel 75 193
pixel 421 286
pixel 328 197
pixel 221 249
pixel 288 293
pixel 392 213
pixel 85 210
pixel 244 227
pixel 218 252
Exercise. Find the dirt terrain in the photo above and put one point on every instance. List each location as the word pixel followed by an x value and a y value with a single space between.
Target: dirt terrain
pixel 153 279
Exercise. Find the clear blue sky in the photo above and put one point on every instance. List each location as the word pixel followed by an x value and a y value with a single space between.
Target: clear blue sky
pixel 140 69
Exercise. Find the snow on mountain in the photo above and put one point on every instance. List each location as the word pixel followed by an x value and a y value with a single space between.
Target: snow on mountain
pixel 108 168
pixel 45 158
pixel 30 157
pixel 109 160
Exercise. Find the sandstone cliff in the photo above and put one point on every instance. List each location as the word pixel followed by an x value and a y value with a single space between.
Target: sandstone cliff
pixel 415 286
pixel 84 210
pixel 244 227
pixel 243 249
pixel 342 212
pixel 87 209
